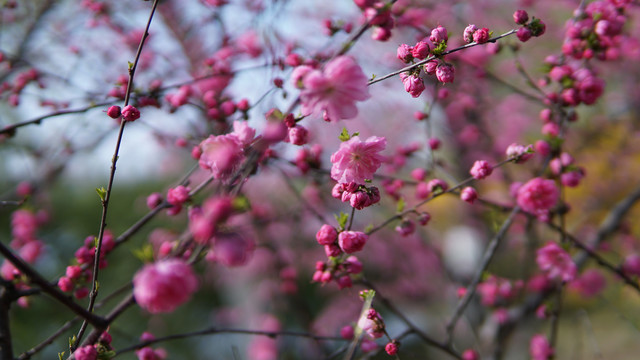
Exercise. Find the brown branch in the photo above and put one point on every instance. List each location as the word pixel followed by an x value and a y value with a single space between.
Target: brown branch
pixel 105 202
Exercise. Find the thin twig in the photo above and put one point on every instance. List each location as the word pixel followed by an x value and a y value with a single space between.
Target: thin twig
pixel 105 202
pixel 214 331
pixel 422 62
pixel 471 289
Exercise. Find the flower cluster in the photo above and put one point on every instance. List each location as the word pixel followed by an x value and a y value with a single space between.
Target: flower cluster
pixel 535 27
pixel 358 196
pixel 333 91
pixel 538 196
pixel 378 14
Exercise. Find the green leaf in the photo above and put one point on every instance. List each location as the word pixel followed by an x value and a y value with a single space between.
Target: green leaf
pixel 106 355
pixel 368 228
pixel 145 254
pixel 130 65
pixel 400 206
pixel 342 220
pixel 72 341
pixel 61 355
pixel 241 203
pixel 344 135
pixel 102 192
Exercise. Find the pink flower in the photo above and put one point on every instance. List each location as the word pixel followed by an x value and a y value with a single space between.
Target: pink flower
pixel 413 84
pixel 231 250
pixel 556 262
pixel 352 241
pixel 520 17
pixel 470 355
pixel 438 35
pixel 334 90
pixel 468 194
pixel 481 36
pixel 221 155
pixel 357 160
pixel 480 170
pixel 327 235
pixel 521 153
pixel 178 195
pixel 154 200
pixel 523 34
pixel 87 352
pixel 114 112
pixel 420 50
pixel 391 348
pixel 404 53
pixel 430 67
pixel 244 132
pixel 537 196
pixel 130 113
pixel 539 348
pixel 298 135
pixel 445 73
pixel 468 33
pixel 163 286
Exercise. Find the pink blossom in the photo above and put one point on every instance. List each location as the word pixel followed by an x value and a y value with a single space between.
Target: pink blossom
pixel 631 265
pixel 470 355
pixel 327 235
pixel 480 170
pixel 231 250
pixel 347 332
pixel 413 84
pixel 539 348
pixel 523 34
pixel 163 286
pixel 391 348
pixel 357 160
pixel 154 200
pixel 556 262
pixel 430 67
pixel 130 113
pixel 221 155
pixel 590 283
pixel 352 241
pixel 420 50
pixel 87 352
pixel 114 112
pixel 178 195
pixel 520 17
pixel 445 73
pixel 468 33
pixel 335 90
pixel 298 135
pixel 481 36
pixel 469 194
pixel 519 152
pixel 538 196
pixel 404 53
pixel 437 185
pixel 438 35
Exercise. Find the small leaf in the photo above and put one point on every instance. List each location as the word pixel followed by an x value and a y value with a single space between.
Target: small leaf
pixel 72 341
pixel 368 228
pixel 342 220
pixel 400 206
pixel 95 242
pixel 106 355
pixel 355 134
pixel 61 355
pixel 102 192
pixel 130 65
pixel 344 135
pixel 241 203
pixel 145 254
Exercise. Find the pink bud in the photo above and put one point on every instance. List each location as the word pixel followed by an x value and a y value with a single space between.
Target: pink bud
pixel 438 35
pixel 445 73
pixel 523 34
pixel 154 200
pixel 404 53
pixel 347 332
pixel 430 67
pixel 420 50
pixel 480 170
pixel 391 348
pixel 520 17
pixel 469 194
pixel 327 235
pixel 434 143
pixel 413 84
pixel 468 33
pixel 481 36
pixel 470 355
pixel 113 112
pixel 130 113
pixel 352 241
